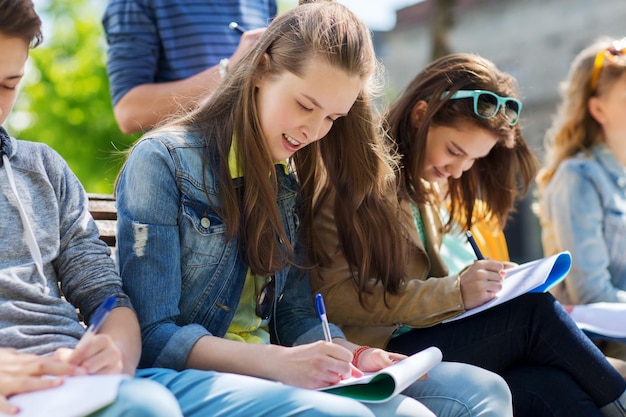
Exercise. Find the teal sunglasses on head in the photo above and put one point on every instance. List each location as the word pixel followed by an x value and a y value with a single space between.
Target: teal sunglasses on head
pixel 487 104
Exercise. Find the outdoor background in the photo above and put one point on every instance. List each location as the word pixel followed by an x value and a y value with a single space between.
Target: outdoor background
pixel 65 100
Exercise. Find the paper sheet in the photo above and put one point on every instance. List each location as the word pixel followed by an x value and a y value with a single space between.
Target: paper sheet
pixel 534 276
pixel 606 319
pixel 76 397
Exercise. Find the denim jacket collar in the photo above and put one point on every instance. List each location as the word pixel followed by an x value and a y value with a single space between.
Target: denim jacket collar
pixel 614 168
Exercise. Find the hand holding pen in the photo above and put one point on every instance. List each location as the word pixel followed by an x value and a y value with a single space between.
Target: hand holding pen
pixel 320 308
pixel 248 39
pixel 96 353
pixel 481 281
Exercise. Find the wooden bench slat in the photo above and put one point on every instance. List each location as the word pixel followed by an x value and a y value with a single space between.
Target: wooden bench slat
pixel 103 210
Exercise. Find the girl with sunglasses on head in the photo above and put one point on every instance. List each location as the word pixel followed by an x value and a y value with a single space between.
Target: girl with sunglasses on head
pixel 209 211
pixel 583 186
pixel 460 148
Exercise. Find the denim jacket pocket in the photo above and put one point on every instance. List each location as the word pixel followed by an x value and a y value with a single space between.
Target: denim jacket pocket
pixel 204 234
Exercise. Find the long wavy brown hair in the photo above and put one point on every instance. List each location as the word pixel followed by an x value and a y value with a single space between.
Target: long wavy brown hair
pixel 376 248
pixel 574 129
pixel 498 179
pixel 320 30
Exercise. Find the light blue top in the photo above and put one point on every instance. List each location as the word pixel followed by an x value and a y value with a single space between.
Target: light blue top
pixel 583 210
pixel 152 41
pixel 184 278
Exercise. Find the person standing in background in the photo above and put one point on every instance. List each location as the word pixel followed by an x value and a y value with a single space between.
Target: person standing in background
pixel 168 54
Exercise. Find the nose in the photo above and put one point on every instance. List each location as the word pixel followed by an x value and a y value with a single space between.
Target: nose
pixel 313 128
pixel 458 168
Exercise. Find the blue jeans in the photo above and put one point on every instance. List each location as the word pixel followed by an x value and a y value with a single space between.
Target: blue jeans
pixel 460 390
pixel 529 331
pixel 207 393
pixel 141 398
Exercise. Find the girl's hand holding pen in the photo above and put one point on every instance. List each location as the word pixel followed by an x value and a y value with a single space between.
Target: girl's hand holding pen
pixel 314 365
pixel 481 281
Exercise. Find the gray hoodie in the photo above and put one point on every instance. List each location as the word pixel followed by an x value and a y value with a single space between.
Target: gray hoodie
pixel 38 191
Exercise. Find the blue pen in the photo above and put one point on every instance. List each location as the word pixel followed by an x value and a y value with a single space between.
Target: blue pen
pixel 472 241
pixel 98 318
pixel 321 312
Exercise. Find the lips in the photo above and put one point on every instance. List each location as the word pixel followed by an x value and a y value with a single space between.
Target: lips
pixel 291 141
pixel 440 174
pixel 290 144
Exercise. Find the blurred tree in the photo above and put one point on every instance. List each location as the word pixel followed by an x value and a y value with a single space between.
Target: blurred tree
pixel 65 99
pixel 442 23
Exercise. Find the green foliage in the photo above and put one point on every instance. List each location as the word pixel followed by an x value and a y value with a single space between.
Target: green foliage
pixel 65 99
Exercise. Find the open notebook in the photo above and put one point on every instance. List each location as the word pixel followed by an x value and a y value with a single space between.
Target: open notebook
pixel 534 276
pixel 605 320
pixel 381 386
pixel 76 397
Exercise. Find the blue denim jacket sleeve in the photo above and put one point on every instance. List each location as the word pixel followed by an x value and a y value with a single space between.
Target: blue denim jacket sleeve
pixel 296 320
pixel 149 254
pixel 575 204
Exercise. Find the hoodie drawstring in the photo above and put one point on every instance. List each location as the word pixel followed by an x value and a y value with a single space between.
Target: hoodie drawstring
pixel 29 236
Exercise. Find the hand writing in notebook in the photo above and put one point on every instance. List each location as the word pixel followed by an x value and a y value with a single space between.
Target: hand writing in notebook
pixel 23 372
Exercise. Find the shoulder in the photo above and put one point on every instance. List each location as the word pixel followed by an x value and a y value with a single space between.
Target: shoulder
pixel 170 140
pixel 36 157
pixel 580 166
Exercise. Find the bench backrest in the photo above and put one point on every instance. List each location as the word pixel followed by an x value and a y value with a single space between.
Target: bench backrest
pixel 102 208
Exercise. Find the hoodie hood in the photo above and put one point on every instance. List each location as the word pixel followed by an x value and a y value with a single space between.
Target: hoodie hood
pixel 5 145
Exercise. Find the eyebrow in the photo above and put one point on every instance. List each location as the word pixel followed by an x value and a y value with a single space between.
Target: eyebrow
pixel 319 106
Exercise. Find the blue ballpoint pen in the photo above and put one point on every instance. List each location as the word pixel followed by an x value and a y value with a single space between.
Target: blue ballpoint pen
pixel 321 312
pixel 472 241
pixel 98 318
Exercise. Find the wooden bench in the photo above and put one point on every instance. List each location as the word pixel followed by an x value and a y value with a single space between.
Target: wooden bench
pixel 102 208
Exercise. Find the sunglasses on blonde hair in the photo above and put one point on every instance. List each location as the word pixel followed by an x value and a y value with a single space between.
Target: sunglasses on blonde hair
pixel 487 104
pixel 614 53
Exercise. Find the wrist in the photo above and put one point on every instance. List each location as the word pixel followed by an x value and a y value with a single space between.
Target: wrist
pixel 357 353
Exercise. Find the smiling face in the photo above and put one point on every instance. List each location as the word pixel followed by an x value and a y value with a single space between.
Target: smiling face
pixel 12 61
pixel 450 151
pixel 297 110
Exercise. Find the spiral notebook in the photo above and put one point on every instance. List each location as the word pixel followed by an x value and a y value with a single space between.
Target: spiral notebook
pixel 381 386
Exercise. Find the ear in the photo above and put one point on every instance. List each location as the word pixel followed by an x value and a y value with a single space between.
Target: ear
pixel 263 68
pixel 596 109
pixel 417 113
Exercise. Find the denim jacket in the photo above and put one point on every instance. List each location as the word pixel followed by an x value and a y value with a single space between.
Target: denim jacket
pixel 182 275
pixel 583 210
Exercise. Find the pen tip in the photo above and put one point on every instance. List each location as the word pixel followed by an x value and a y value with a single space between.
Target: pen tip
pixel 233 25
